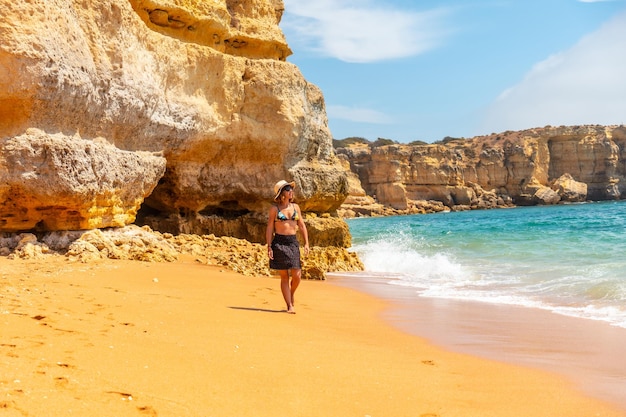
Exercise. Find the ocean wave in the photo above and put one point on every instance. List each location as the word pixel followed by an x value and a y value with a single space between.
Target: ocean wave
pixel 566 260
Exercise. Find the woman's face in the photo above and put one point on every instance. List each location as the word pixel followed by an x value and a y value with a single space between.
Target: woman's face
pixel 287 192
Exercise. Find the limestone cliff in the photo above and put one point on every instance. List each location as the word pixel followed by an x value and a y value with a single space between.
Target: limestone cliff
pixel 49 182
pixel 204 84
pixel 536 166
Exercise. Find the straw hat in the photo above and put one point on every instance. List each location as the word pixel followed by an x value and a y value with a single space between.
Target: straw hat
pixel 278 188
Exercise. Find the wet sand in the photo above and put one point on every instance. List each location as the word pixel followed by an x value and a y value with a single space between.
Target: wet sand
pixel 590 353
pixel 130 338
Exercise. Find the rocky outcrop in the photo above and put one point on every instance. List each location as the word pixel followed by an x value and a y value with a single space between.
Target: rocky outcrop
pixel 235 27
pixel 204 83
pixel 570 190
pixel 536 166
pixel 143 244
pixel 54 182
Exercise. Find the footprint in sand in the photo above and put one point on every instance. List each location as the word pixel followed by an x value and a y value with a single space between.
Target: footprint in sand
pixel 64 365
pixel 124 395
pixel 5 405
pixel 147 410
pixel 261 293
pixel 61 382
pixel 11 353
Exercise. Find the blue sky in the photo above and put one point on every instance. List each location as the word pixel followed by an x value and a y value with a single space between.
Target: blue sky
pixel 423 70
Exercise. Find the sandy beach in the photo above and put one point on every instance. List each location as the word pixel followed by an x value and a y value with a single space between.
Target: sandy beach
pixel 126 338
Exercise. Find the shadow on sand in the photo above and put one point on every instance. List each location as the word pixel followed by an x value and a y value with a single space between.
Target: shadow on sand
pixel 258 309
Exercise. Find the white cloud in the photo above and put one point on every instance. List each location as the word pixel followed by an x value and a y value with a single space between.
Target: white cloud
pixel 361 31
pixel 583 85
pixel 359 115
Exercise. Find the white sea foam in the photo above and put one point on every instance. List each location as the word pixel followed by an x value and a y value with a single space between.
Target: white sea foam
pixel 535 268
pixel 414 267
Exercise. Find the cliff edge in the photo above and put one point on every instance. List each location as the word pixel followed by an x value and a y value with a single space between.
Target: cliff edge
pixel 547 165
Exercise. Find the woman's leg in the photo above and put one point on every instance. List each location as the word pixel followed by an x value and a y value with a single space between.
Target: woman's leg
pixel 296 276
pixel 286 290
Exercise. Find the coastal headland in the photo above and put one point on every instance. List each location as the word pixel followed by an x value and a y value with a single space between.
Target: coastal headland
pixel 539 166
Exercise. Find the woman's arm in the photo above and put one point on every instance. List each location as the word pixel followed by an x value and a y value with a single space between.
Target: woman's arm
pixel 303 230
pixel 269 232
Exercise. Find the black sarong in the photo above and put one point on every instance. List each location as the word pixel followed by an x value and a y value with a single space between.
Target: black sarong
pixel 286 252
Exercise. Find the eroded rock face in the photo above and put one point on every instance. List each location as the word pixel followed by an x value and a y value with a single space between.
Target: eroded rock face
pixel 235 27
pixel 203 82
pixel 54 182
pixel 569 189
pixel 537 166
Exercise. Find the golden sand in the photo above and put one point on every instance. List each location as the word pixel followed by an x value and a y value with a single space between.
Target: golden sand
pixel 128 338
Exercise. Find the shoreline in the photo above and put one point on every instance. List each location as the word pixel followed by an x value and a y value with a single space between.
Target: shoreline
pixel 587 352
pixel 131 338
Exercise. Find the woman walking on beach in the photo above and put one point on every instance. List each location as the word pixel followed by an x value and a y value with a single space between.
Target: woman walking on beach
pixel 285 219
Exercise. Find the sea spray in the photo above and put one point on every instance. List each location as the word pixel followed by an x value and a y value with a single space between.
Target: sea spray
pixel 405 256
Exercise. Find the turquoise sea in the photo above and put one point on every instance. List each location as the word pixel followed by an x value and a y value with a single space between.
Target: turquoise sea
pixel 568 259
